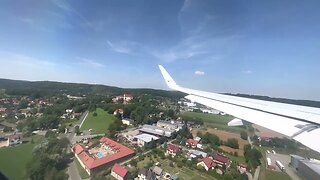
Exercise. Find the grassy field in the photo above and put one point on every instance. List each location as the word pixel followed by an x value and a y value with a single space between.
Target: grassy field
pixel 275 175
pixel 183 173
pixel 83 173
pixel 212 120
pixel 223 135
pixel 98 124
pixel 14 159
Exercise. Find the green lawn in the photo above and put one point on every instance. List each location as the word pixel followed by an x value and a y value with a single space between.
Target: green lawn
pixel 14 159
pixel 83 173
pixel 212 120
pixel 98 124
pixel 275 175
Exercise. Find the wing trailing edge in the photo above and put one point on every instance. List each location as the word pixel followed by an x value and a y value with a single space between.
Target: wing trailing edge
pixel 297 122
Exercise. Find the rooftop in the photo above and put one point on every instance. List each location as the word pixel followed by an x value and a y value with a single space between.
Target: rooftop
pixel 91 160
pixel 121 171
pixel 156 130
pixel 312 164
pixel 146 137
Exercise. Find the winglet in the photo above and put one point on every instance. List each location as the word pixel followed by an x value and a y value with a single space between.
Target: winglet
pixel 170 82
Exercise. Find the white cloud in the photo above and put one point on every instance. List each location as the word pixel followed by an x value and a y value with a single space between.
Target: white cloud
pixel 199 73
pixel 68 8
pixel 247 72
pixel 90 63
pixel 121 47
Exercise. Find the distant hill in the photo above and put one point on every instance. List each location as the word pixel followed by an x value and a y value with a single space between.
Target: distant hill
pixel 281 100
pixel 47 88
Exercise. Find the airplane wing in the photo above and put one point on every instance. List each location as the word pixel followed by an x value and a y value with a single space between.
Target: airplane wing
pixel 298 122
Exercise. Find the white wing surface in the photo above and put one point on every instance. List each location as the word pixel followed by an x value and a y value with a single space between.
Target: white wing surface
pixel 298 122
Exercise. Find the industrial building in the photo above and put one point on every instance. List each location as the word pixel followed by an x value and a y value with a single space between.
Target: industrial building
pixel 306 168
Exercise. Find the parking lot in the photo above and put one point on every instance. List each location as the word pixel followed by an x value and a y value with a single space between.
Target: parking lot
pixel 285 160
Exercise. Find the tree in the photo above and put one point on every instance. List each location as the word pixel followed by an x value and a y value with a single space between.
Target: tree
pixel 77 130
pixel 95 114
pixel 233 143
pixel 7 129
pixel 133 162
pixel 50 159
pixel 244 135
pixel 252 156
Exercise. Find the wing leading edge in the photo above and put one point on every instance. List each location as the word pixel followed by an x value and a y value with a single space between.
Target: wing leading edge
pixel 298 122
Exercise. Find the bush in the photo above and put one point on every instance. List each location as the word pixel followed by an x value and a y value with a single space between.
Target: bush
pixel 233 143
pixel 244 135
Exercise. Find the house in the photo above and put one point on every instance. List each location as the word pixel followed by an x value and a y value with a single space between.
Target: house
pixel 119 172
pixel 221 160
pixel 14 139
pixel 207 163
pixel 143 139
pixel 3 110
pixel 69 110
pixel 242 168
pixel 75 115
pixel 192 143
pixel 174 177
pixel 127 121
pixel 101 156
pixel 173 125
pixel 173 150
pixel 158 171
pixel 146 174
pixel 193 153
pixel 118 111
pixel 125 97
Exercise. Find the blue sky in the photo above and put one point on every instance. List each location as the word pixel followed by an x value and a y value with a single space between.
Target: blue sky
pixel 255 47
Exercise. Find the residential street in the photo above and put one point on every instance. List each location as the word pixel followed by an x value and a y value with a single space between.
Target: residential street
pixel 72 169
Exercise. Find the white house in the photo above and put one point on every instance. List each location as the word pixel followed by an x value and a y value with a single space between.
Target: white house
pixel 127 121
pixel 143 139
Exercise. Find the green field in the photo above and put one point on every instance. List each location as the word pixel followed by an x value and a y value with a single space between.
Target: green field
pixel 14 159
pixel 212 120
pixel 98 124
pixel 83 173
pixel 275 175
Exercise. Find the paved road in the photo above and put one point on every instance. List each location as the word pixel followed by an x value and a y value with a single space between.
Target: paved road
pixel 72 169
pixel 73 172
pixel 256 174
pixel 285 160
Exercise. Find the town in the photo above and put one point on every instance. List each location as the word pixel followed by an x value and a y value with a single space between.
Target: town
pixel 143 136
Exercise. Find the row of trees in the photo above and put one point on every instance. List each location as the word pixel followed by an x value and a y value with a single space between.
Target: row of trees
pixel 50 159
pixel 252 156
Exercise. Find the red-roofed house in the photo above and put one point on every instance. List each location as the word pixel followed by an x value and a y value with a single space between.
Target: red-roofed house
pixel 95 159
pixel 15 139
pixel 118 111
pixel 221 161
pixel 119 172
pixel 192 143
pixel 3 111
pixel 173 150
pixel 207 163
pixel 242 168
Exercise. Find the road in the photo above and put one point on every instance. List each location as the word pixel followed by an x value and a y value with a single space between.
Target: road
pixel 285 160
pixel 72 169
